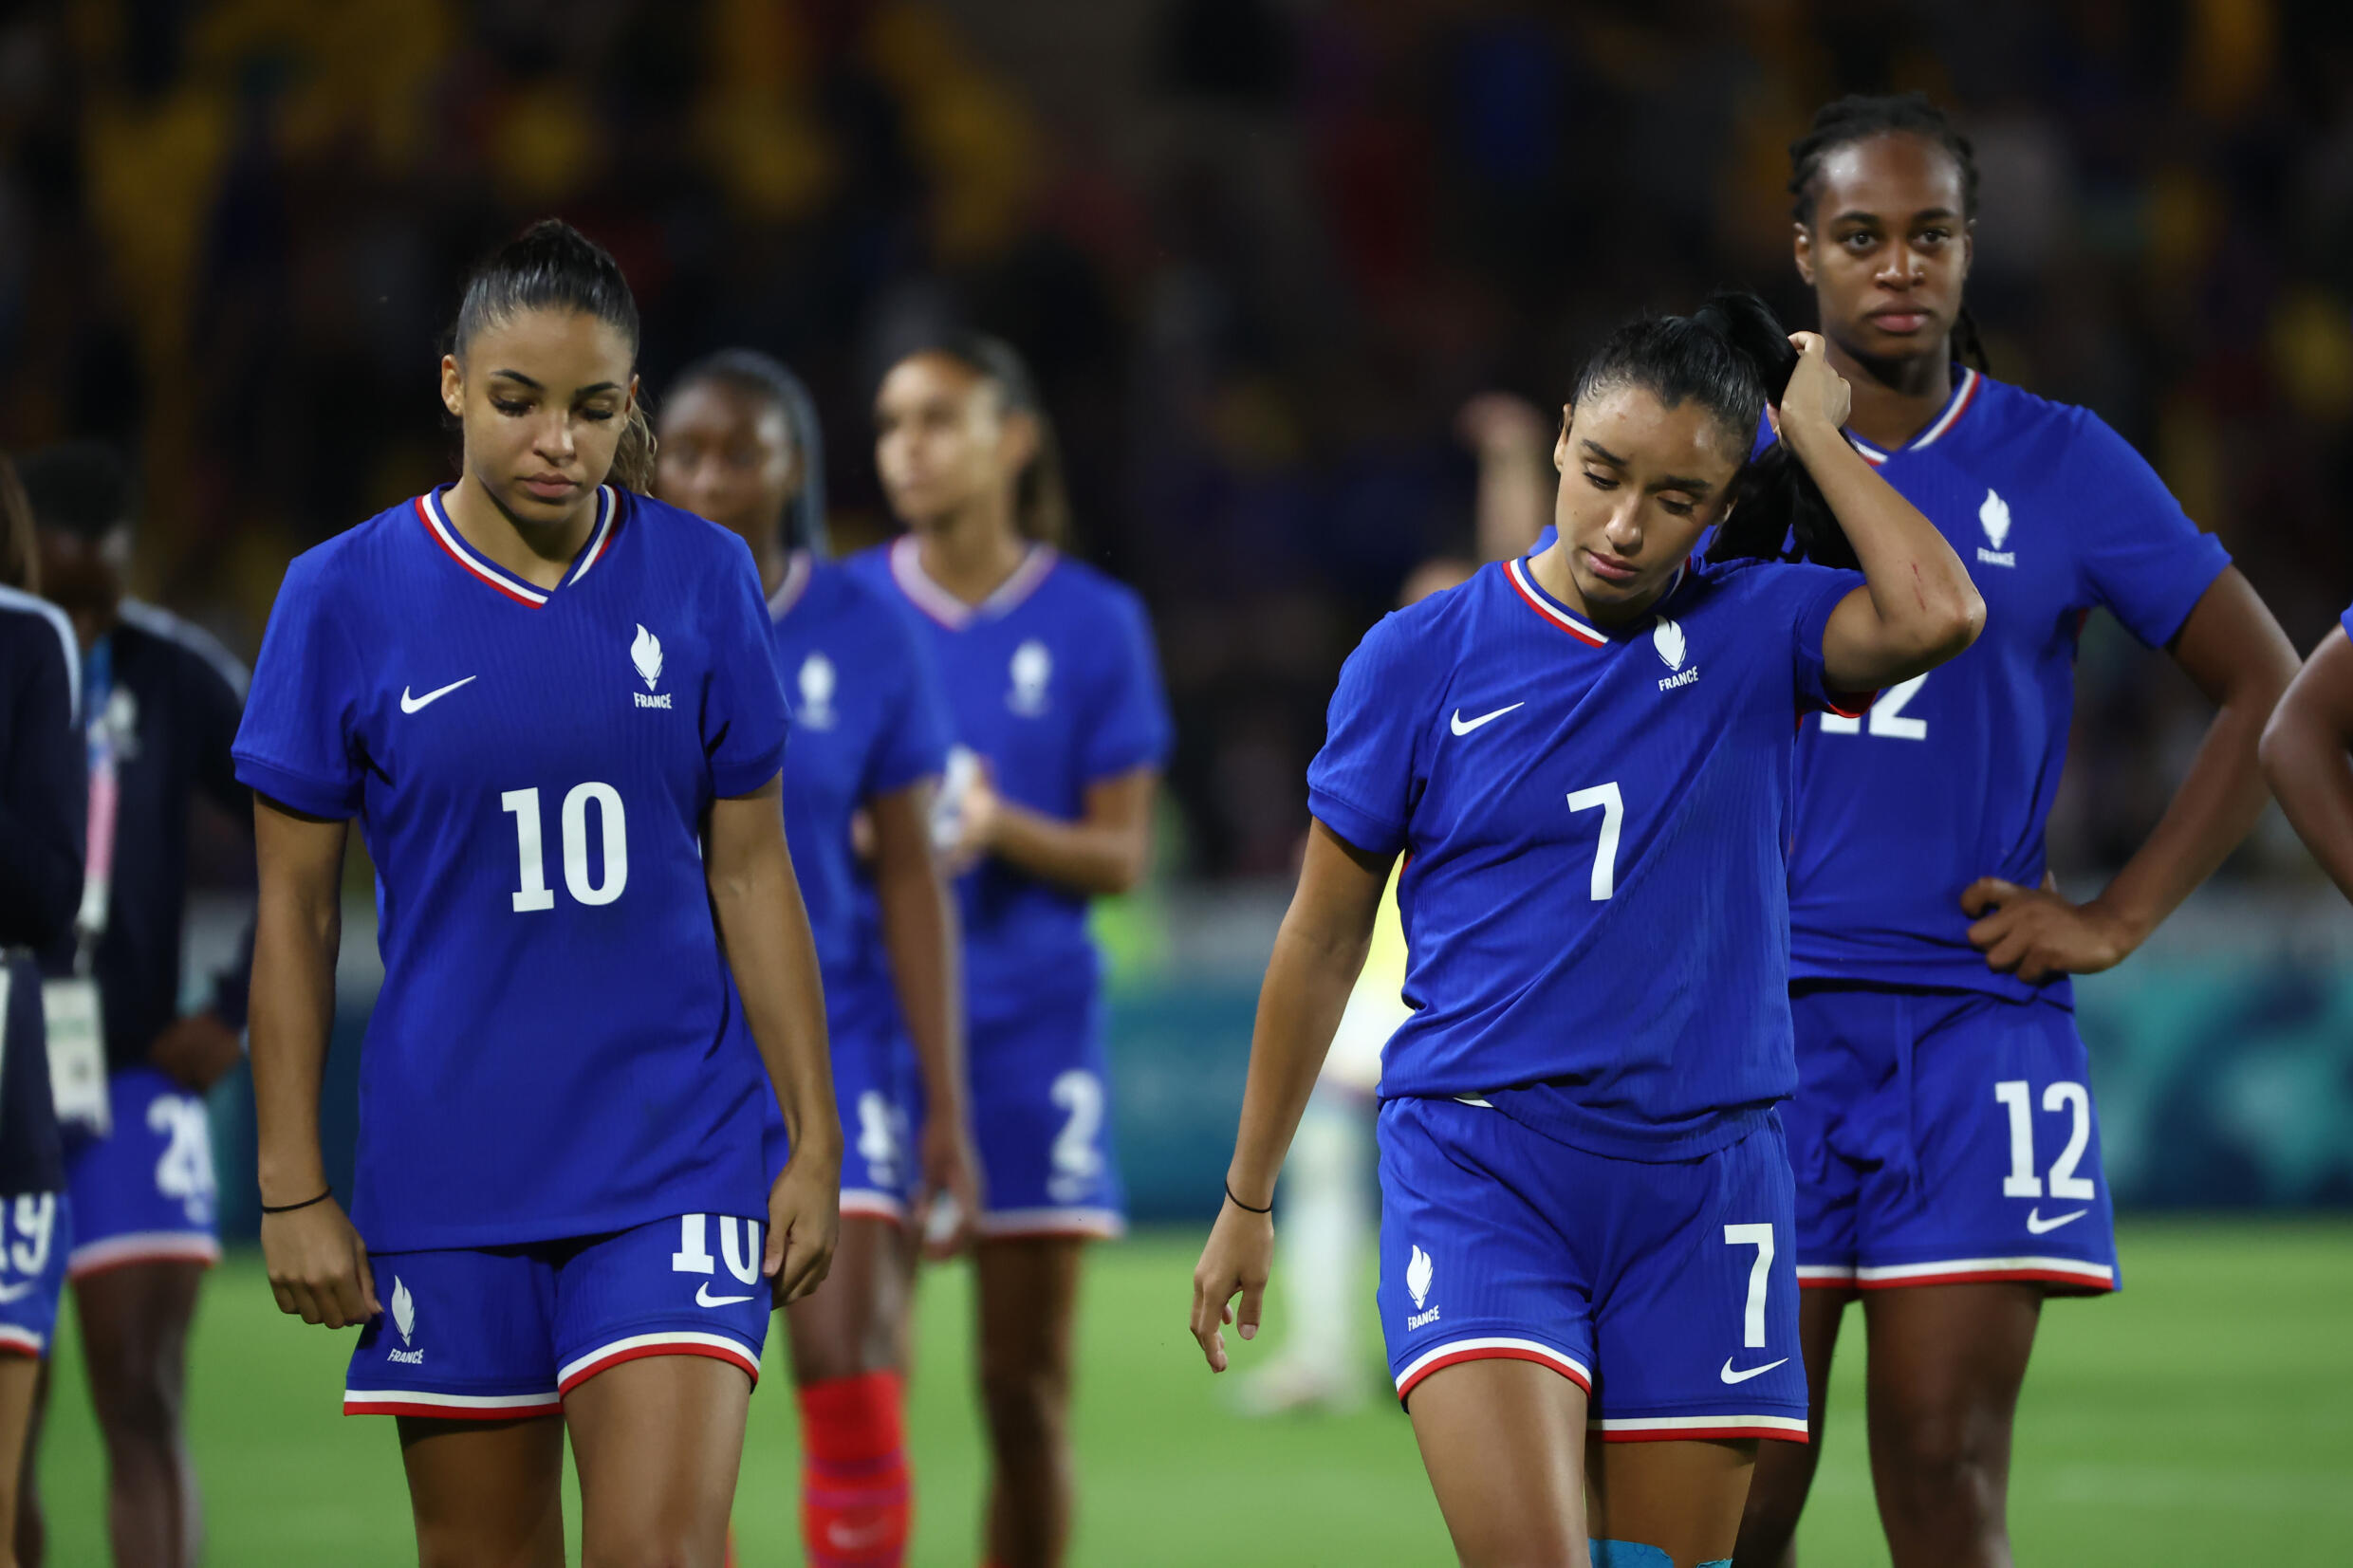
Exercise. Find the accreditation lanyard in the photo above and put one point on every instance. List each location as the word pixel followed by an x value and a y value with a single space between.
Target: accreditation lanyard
pixel 98 685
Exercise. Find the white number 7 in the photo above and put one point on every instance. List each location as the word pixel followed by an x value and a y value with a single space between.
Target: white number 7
pixel 1760 1274
pixel 1613 817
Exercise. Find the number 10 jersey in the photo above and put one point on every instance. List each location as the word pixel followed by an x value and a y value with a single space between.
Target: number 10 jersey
pixel 549 1056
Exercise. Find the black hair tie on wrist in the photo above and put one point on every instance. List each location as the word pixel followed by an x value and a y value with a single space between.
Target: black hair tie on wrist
pixel 290 1207
pixel 1247 1209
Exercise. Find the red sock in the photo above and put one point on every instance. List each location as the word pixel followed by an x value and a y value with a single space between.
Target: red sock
pixel 854 1493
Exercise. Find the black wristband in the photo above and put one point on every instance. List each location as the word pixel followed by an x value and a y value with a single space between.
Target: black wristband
pixel 1247 1209
pixel 290 1207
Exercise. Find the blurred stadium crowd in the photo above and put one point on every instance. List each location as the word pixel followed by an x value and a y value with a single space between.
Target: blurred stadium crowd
pixel 1260 251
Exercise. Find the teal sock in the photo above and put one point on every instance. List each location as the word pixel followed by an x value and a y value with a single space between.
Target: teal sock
pixel 1629 1553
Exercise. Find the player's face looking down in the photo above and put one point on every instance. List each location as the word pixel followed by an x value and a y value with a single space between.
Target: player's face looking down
pixel 1888 248
pixel 944 442
pixel 86 577
pixel 1639 483
pixel 543 396
pixel 727 455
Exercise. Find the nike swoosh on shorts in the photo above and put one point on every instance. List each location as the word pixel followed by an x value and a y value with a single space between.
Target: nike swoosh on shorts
pixel 704 1298
pixel 1730 1377
pixel 2038 1224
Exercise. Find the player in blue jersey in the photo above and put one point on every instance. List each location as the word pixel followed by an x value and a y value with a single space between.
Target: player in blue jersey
pixel 740 445
pixel 551 703
pixel 1055 696
pixel 2307 753
pixel 43 790
pixel 1584 755
pixel 1945 1139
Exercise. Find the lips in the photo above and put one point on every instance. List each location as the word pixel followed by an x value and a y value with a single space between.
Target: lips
pixel 551 486
pixel 1610 570
pixel 1898 321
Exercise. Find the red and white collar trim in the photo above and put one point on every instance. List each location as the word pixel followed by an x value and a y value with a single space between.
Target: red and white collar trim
pixel 798 568
pixel 1524 582
pixel 941 605
pixel 1962 396
pixel 445 533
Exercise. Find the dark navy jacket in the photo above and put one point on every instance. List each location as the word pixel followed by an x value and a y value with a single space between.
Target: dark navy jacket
pixel 44 792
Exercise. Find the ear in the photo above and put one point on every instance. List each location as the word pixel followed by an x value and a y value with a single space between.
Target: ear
pixel 1802 248
pixel 1969 246
pixel 1560 442
pixel 453 387
pixel 1018 439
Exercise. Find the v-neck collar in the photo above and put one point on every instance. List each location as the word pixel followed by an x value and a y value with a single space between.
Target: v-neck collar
pixel 945 608
pixel 798 567
pixel 1964 392
pixel 437 520
pixel 1523 579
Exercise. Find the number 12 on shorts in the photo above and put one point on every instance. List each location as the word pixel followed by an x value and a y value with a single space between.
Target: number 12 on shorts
pixel 2022 1182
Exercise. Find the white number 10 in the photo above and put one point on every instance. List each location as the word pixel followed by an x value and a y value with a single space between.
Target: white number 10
pixel 1613 817
pixel 534 894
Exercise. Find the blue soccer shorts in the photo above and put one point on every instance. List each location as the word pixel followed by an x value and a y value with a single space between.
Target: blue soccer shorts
pixel 145 1192
pixel 1665 1290
pixel 878 1170
pixel 36 1236
pixel 494 1334
pixel 1041 1118
pixel 1942 1137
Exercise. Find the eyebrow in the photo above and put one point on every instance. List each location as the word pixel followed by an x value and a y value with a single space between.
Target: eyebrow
pixel 1923 213
pixel 1672 481
pixel 584 391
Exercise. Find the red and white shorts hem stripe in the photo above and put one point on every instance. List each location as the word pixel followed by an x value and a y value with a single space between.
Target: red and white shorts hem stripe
pixel 1100 1223
pixel 1493 1348
pixel 1948 1271
pixel 142 1247
pixel 868 1203
pixel 451 1406
pixel 1688 1428
pixel 669 1342
pixel 22 1341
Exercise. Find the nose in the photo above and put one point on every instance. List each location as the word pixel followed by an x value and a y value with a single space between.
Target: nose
pixel 1624 532
pixel 554 437
pixel 1900 270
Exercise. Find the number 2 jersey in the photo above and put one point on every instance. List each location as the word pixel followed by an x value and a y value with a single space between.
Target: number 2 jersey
pixel 551 1054
pixel 1951 776
pixel 1593 893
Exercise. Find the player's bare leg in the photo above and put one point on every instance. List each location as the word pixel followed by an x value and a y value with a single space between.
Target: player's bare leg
pixel 1682 1498
pixel 1505 1446
pixel 135 1323
pixel 659 1442
pixel 486 1493
pixel 849 1343
pixel 20 1376
pixel 1029 1306
pixel 1784 1472
pixel 32 1531
pixel 857 1323
pixel 1945 1368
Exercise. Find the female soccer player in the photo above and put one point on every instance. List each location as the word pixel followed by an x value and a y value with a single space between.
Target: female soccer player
pixel 740 446
pixel 552 705
pixel 42 795
pixel 1585 1197
pixel 2307 754
pixel 1056 700
pixel 1947 1154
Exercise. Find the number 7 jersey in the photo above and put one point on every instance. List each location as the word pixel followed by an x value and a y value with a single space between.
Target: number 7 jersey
pixel 549 1056
pixel 1594 891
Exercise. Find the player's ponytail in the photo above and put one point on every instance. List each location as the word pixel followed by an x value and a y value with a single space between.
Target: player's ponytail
pixel 1778 510
pixel 1041 501
pixel 633 460
pixel 757 375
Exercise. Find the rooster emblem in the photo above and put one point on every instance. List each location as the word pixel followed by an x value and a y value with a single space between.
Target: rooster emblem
pixel 1417 1271
pixel 403 1309
pixel 1994 514
pixel 645 653
pixel 1668 639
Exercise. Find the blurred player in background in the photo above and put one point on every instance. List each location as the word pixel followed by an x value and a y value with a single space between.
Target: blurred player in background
pixel 159 704
pixel 740 445
pixel 1585 1194
pixel 1063 730
pixel 2307 753
pixel 1947 1153
pixel 552 704
pixel 1327 1224
pixel 42 786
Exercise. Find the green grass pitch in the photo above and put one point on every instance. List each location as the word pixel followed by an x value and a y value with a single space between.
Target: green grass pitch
pixel 2204 1415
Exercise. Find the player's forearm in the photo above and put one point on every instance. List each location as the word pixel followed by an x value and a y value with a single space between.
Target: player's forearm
pixel 2216 807
pixel 297 934
pixel 2307 756
pixel 766 930
pixel 1927 608
pixel 1313 968
pixel 920 933
pixel 1102 859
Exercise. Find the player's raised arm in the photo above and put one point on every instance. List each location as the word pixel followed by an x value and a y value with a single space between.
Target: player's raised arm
pixel 318 1263
pixel 1918 607
pixel 1318 954
pixel 2307 756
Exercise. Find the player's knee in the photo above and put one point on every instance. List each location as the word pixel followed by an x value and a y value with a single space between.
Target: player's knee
pixel 651 1546
pixel 1941 1456
pixel 136 1409
pixel 1025 1406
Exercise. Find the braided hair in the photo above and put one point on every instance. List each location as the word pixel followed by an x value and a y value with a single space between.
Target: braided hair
pixel 1859 118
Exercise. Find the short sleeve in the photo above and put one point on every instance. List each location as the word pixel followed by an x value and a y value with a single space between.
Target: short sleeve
pixel 298 742
pixel 1362 785
pixel 1129 727
pixel 744 716
pixel 2142 556
pixel 1812 595
pixel 915 737
pixel 2345 621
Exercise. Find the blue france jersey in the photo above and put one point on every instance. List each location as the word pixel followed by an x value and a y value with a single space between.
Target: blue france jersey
pixel 551 1054
pixel 1052 683
pixel 867 721
pixel 1594 891
pixel 1952 775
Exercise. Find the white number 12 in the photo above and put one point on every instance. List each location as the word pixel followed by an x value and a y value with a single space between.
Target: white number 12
pixel 1887 719
pixel 1613 817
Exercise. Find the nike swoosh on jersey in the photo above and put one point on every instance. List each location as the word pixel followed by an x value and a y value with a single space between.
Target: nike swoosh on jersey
pixel 704 1298
pixel 2038 1224
pixel 410 704
pixel 1464 728
pixel 1730 1377
pixel 10 1293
